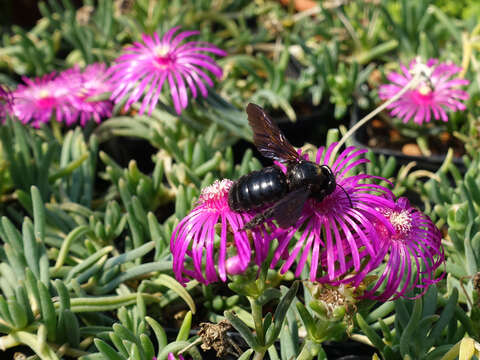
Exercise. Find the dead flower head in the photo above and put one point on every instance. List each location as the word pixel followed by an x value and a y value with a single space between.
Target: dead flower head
pixel 214 336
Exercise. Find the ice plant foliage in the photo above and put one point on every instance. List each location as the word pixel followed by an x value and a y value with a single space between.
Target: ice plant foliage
pixel 146 66
pixel 210 236
pixel 437 92
pixel 39 99
pixel 6 102
pixel 91 87
pixel 337 232
pixel 411 253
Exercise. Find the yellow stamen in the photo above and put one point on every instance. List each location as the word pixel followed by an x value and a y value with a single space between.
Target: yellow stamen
pixel 161 50
pixel 44 93
pixel 424 89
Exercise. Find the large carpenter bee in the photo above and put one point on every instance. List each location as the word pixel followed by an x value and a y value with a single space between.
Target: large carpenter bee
pixel 286 193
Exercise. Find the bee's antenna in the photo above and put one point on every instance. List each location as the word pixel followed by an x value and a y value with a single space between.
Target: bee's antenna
pixel 349 198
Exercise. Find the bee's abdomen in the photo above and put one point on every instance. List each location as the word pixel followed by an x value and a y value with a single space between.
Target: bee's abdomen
pixel 257 189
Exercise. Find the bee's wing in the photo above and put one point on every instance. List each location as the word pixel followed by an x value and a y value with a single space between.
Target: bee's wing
pixel 268 138
pixel 287 210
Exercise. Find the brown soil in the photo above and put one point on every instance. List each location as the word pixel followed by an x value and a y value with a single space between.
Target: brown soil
pixel 380 134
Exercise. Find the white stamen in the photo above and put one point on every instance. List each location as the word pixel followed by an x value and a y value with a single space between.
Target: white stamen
pixel 401 221
pixel 215 191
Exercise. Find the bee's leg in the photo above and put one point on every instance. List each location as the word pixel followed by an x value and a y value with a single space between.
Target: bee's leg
pixel 259 219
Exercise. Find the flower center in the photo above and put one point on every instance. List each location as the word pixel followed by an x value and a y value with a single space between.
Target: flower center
pixel 216 195
pixel 423 95
pixel 45 100
pixel 161 50
pixel 43 93
pixel 401 222
pixel 424 89
pixel 82 92
pixel 163 57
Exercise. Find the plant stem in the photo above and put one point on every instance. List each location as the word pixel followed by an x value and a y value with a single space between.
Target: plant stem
pixel 425 173
pixel 309 351
pixel 422 143
pixel 71 237
pixel 258 355
pixel 257 319
pixel 467 54
pixel 69 168
pixel 348 26
pixel 361 339
pixel 412 83
pixel 69 351
pixel 305 354
pixel 57 132
pixel 106 303
pixel 22 337
pixel 365 57
pixel 198 341
pixel 306 13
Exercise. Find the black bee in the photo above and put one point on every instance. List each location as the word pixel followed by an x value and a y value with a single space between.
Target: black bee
pixel 286 193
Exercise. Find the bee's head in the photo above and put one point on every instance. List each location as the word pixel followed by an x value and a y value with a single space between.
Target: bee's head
pixel 330 183
pixel 333 183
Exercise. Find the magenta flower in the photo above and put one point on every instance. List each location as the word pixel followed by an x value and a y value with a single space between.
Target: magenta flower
pixel 90 84
pixel 145 67
pixel 436 94
pixel 41 98
pixel 412 252
pixel 336 234
pixel 228 252
pixel 6 102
